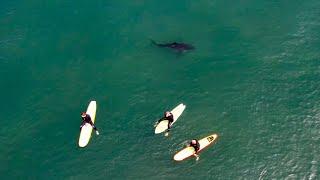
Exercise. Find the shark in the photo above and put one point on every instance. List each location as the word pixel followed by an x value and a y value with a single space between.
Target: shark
pixel 179 47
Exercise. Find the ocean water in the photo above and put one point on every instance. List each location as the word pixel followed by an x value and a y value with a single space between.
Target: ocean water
pixel 253 79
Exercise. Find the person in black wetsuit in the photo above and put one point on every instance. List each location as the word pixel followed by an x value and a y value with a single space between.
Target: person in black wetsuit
pixel 167 116
pixel 195 144
pixel 87 119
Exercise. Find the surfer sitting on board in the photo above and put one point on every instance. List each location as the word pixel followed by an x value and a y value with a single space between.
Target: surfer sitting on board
pixel 87 119
pixel 195 144
pixel 167 116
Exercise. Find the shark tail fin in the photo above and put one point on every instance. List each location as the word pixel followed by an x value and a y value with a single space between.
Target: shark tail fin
pixel 153 42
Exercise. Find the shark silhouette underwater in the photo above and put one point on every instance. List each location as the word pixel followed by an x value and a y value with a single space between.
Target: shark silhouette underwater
pixel 178 47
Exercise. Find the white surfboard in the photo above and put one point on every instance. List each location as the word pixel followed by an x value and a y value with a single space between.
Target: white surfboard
pixel 189 151
pixel 86 130
pixel 176 112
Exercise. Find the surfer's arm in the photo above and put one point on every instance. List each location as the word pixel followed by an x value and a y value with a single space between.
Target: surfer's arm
pixel 160 120
pixel 157 122
pixel 82 124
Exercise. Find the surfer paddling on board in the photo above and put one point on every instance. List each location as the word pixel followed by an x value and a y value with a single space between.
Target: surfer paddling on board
pixel 195 144
pixel 87 119
pixel 167 116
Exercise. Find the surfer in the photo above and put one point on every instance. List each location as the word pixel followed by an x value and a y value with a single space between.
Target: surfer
pixel 167 116
pixel 195 144
pixel 87 119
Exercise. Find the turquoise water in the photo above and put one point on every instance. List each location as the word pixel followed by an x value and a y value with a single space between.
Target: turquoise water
pixel 253 80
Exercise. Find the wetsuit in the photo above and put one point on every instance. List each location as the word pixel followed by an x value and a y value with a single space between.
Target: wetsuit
pixel 87 119
pixel 169 118
pixel 195 146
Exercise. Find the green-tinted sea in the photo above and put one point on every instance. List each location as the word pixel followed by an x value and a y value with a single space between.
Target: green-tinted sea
pixel 254 79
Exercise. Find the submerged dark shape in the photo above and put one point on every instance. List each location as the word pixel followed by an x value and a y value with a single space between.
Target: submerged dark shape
pixel 180 47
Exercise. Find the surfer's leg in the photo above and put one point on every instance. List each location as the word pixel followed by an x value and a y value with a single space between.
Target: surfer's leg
pixel 197 156
pixel 168 130
pixel 93 126
pixel 170 123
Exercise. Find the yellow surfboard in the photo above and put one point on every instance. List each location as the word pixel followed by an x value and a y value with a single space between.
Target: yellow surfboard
pixel 86 130
pixel 189 151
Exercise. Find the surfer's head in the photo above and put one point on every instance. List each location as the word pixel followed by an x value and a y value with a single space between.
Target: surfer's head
pixel 83 114
pixel 167 114
pixel 193 141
